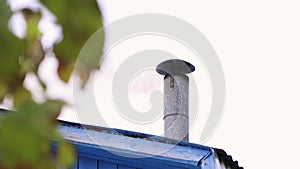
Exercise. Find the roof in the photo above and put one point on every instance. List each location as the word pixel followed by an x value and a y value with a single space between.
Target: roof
pixel 107 148
pixel 138 149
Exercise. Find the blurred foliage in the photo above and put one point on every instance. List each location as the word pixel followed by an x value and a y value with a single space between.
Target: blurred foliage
pixel 11 48
pixel 28 134
pixel 25 138
pixel 81 20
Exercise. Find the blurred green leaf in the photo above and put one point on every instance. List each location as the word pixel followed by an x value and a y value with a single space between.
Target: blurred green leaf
pixel 18 56
pixel 10 49
pixel 3 90
pixel 34 52
pixel 25 134
pixel 65 153
pixel 90 55
pixel 32 19
pixel 21 96
pixel 79 19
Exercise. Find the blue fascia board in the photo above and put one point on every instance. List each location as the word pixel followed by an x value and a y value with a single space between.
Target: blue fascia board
pixel 104 142
pixel 98 153
pixel 208 162
pixel 133 134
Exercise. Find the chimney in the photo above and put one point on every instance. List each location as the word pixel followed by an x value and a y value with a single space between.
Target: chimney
pixel 176 97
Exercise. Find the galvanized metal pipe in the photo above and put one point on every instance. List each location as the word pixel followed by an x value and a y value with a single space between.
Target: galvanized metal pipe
pixel 176 98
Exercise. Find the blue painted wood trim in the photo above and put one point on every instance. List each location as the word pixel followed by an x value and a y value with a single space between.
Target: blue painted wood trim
pixel 75 165
pixel 107 165
pixel 134 135
pixel 125 167
pixel 87 163
pixel 97 153
pixel 208 162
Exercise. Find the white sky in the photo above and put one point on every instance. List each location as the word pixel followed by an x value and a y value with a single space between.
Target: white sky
pixel 258 45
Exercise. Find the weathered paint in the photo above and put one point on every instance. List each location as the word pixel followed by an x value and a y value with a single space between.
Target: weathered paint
pixel 133 147
pixel 101 148
pixel 135 152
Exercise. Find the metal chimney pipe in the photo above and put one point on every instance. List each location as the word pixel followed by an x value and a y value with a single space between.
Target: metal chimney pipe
pixel 176 97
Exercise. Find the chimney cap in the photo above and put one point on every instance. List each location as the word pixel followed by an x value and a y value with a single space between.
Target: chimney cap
pixel 175 67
